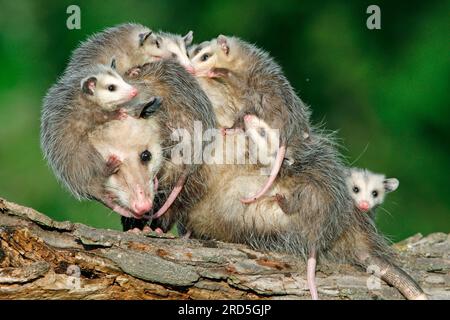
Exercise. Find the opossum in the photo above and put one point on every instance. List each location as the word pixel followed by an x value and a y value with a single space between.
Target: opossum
pixel 368 189
pixel 241 79
pixel 316 215
pixel 130 45
pixel 73 107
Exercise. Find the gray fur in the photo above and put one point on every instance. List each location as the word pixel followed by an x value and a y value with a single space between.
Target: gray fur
pixel 112 43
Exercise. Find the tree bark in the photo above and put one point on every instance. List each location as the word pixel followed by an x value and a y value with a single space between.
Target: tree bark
pixel 45 259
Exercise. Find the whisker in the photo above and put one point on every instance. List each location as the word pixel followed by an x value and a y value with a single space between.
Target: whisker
pixel 385 210
pixel 361 154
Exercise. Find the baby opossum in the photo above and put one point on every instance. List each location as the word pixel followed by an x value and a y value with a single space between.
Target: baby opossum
pixel 73 107
pixel 369 189
pixel 130 45
pixel 241 79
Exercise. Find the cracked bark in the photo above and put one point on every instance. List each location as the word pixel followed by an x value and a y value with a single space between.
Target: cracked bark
pixel 45 259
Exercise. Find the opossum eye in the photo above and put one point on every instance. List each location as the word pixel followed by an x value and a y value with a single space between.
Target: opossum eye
pixel 204 57
pixel 112 88
pixel 157 43
pixel 375 193
pixel 262 132
pixel 146 156
pixel 355 189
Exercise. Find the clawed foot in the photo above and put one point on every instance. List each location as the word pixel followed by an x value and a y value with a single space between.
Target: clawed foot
pixel 230 131
pixel 134 72
pixel 145 230
pixel 122 114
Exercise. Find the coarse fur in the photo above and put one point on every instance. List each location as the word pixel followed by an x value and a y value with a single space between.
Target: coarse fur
pixel 130 45
pixel 368 189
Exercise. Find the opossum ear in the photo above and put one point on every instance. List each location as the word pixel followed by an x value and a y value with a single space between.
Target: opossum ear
pixel 112 165
pixel 151 107
pixel 218 73
pixel 88 85
pixel 113 64
pixel 188 38
pixel 391 184
pixel 223 43
pixel 143 37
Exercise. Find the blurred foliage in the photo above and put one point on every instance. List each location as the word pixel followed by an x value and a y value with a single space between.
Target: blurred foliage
pixel 386 91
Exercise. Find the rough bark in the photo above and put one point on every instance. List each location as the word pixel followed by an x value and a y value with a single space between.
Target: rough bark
pixel 44 259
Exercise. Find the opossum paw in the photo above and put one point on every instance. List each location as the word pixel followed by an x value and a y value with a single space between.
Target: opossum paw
pixel 279 198
pixel 147 229
pixel 230 131
pixel 122 114
pixel 134 72
pixel 135 231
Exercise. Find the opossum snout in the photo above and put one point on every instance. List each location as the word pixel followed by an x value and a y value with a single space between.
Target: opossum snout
pixel 190 69
pixel 363 206
pixel 133 92
pixel 141 204
pixel 140 208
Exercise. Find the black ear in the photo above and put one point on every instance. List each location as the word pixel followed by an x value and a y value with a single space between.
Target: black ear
pixel 113 64
pixel 188 38
pixel 143 37
pixel 151 107
pixel 223 43
pixel 88 85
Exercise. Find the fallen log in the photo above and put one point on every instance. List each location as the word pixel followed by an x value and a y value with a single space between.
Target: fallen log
pixel 45 259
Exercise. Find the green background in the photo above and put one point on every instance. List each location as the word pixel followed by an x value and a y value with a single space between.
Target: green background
pixel 386 91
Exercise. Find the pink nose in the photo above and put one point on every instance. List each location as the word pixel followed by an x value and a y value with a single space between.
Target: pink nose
pixel 190 69
pixel 133 92
pixel 142 207
pixel 363 206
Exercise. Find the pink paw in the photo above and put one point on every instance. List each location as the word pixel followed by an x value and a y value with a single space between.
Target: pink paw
pixel 122 114
pixel 134 72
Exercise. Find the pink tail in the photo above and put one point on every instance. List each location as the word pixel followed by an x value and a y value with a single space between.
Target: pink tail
pixel 311 274
pixel 173 195
pixel 273 175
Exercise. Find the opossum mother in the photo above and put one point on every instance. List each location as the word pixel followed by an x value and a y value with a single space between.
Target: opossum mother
pixel 209 202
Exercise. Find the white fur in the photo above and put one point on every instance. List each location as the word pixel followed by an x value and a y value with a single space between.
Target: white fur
pixel 127 139
pixel 110 99
pixel 367 182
